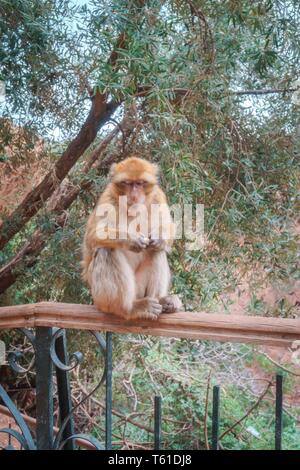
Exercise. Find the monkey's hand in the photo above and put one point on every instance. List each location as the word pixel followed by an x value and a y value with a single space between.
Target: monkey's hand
pixel 138 244
pixel 157 244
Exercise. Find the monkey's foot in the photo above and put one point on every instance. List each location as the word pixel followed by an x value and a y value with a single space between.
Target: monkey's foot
pixel 170 304
pixel 147 307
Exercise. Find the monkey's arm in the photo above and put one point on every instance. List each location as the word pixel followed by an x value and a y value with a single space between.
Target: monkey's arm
pixel 162 237
pixel 162 234
pixel 99 235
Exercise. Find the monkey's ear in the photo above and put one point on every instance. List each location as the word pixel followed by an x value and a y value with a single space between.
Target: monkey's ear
pixel 112 170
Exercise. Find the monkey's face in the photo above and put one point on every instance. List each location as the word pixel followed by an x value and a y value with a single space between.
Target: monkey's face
pixel 134 178
pixel 135 191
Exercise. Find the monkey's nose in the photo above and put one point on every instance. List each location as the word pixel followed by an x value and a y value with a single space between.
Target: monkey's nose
pixel 134 195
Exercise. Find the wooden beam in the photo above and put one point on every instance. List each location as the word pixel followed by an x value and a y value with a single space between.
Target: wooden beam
pixel 191 325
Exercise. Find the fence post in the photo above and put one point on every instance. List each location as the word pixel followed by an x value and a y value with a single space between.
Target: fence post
pixel 157 422
pixel 64 391
pixel 278 412
pixel 44 389
pixel 108 397
pixel 215 417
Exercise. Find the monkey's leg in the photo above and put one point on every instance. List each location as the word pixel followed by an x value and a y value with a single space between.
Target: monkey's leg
pixel 170 304
pixel 113 286
pixel 153 279
pixel 153 276
pixel 112 282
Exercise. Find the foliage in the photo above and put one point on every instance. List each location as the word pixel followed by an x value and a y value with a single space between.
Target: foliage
pixel 180 371
pixel 238 156
pixel 191 70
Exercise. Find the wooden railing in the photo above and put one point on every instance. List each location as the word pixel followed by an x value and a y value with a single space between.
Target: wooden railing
pixel 192 325
pixel 48 339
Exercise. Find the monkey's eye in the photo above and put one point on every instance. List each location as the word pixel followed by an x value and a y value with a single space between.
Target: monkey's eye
pixel 140 183
pixel 126 183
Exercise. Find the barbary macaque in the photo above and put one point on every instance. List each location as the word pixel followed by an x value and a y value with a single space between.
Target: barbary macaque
pixel 126 242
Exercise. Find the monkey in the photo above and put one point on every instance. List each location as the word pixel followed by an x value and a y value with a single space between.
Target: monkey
pixel 127 270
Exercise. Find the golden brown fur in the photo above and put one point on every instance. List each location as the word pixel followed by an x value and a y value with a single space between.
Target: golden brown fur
pixel 130 277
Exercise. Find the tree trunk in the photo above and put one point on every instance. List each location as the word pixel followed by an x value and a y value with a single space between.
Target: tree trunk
pixel 28 255
pixel 99 114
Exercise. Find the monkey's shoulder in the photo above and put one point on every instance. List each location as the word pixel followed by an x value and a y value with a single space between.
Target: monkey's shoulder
pixel 158 196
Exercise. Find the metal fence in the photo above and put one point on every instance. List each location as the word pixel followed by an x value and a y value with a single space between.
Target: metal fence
pixel 51 357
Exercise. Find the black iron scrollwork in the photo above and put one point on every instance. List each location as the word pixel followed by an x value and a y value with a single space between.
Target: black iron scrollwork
pixel 14 357
pixel 83 437
pixel 24 436
pixel 57 350
pixel 74 360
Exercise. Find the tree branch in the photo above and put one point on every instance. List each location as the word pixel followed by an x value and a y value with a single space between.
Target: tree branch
pixel 27 255
pixel 267 91
pixel 260 398
pixel 100 113
pixel 210 48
